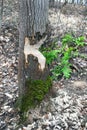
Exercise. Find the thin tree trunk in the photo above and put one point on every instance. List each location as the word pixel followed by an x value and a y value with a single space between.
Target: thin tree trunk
pixel 51 3
pixel 1 12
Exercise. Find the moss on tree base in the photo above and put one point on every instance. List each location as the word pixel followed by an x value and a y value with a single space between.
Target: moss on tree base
pixel 36 90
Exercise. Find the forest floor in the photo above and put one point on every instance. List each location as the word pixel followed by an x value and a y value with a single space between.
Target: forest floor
pixel 66 108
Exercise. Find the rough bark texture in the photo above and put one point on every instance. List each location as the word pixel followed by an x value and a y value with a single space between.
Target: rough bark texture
pixel 1 12
pixel 51 3
pixel 21 76
pixel 32 70
pixel 35 14
pixel 82 2
pixel 33 17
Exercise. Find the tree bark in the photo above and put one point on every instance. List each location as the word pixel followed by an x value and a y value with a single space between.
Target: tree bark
pixel 33 18
pixel 51 3
pixel 1 12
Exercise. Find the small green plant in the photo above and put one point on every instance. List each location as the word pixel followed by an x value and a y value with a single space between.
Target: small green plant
pixel 69 40
pixel 79 41
pixel 66 70
pixel 64 67
pixel 70 46
pixel 56 72
pixel 51 55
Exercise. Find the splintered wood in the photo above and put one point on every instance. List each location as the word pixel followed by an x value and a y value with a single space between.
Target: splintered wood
pixel 34 50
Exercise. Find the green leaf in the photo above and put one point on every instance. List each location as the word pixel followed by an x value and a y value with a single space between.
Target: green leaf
pixel 66 71
pixel 80 41
pixel 51 55
pixel 67 39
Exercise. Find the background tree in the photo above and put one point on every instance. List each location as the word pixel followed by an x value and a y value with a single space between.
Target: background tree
pixel 33 18
pixel 51 3
pixel 1 12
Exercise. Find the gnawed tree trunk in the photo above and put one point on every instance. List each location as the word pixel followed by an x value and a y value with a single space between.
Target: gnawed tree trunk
pixel 33 18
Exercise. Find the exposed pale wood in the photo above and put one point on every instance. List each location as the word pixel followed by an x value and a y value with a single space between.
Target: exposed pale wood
pixel 34 50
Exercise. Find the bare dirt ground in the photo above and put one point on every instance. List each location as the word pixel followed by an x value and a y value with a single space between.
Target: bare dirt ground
pixel 71 93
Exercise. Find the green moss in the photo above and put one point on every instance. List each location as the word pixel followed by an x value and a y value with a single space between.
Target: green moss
pixel 36 90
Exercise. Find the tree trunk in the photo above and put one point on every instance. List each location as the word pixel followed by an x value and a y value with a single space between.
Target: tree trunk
pixel 1 12
pixel 33 16
pixel 51 3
